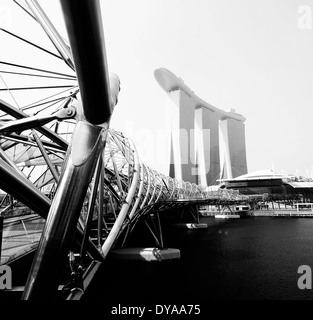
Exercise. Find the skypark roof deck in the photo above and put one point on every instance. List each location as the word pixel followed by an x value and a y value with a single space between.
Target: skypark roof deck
pixel 170 82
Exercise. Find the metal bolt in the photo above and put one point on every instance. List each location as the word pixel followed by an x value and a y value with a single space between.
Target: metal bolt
pixel 69 112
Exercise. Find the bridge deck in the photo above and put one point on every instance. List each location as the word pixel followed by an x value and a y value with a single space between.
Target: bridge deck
pixel 20 235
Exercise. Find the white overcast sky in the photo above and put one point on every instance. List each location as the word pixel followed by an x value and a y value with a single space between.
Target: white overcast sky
pixel 250 55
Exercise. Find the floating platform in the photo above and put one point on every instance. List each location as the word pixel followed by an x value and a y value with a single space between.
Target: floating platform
pixel 190 225
pixel 227 216
pixel 146 254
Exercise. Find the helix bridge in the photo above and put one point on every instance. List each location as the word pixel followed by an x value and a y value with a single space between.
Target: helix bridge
pixel 78 183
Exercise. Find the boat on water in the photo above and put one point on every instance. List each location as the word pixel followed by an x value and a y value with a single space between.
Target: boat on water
pixel 227 216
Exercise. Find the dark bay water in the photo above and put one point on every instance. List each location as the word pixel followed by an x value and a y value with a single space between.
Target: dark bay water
pixel 252 258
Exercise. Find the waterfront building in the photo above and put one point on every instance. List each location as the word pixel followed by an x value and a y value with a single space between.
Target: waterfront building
pixel 267 182
pixel 207 143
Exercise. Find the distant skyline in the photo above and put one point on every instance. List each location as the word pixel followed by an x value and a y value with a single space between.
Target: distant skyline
pixel 248 55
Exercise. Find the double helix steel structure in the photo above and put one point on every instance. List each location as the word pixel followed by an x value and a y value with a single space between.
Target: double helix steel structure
pixel 60 159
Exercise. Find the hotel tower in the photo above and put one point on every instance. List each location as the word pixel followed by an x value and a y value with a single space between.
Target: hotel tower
pixel 207 143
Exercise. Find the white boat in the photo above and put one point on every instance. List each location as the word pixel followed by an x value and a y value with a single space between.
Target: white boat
pixel 227 216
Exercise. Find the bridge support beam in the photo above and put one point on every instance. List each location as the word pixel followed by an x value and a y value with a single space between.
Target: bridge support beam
pixel 57 236
pixel 153 223
pixel 191 210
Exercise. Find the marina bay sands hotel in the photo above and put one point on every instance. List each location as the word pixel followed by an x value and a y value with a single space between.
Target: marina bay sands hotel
pixel 207 143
